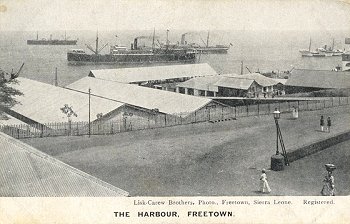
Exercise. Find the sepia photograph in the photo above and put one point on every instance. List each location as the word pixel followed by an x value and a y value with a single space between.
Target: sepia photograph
pixel 196 110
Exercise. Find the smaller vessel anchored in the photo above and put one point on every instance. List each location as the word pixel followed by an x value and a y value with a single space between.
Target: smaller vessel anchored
pixel 321 52
pixel 51 41
pixel 206 49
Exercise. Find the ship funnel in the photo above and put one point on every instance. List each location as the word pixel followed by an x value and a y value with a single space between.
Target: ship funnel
pixel 183 39
pixel 135 43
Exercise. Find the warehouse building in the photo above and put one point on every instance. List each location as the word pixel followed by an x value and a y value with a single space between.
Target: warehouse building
pixel 160 102
pixel 221 86
pixel 42 103
pixel 304 80
pixel 232 85
pixel 160 77
pixel 28 172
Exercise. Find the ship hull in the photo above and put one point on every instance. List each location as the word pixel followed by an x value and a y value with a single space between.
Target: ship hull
pixel 346 62
pixel 212 50
pixel 74 58
pixel 51 42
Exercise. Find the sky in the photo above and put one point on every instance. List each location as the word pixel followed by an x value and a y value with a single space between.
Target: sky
pixel 40 15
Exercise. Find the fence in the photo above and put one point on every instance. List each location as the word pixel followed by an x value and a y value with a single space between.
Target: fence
pixel 162 120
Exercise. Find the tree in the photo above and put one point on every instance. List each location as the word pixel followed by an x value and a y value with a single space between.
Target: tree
pixel 7 92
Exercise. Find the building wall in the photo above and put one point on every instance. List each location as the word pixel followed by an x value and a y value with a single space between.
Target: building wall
pixel 130 118
pixel 212 111
pixel 300 89
pixel 255 90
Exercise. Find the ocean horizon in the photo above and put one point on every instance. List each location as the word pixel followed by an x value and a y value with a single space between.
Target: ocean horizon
pixel 262 50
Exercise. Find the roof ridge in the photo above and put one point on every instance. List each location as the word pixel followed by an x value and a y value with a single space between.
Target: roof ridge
pixel 61 164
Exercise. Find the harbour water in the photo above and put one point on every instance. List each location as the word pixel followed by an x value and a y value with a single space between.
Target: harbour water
pixel 260 50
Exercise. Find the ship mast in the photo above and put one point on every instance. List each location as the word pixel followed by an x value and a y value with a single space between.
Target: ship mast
pixel 96 52
pixel 167 39
pixel 37 35
pixel 154 33
pixel 208 40
pixel 333 45
pixel 310 45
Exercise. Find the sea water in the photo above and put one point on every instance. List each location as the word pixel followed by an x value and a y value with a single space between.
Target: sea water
pixel 263 51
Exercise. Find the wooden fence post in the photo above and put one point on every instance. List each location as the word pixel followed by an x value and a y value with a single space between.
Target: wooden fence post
pixel 332 101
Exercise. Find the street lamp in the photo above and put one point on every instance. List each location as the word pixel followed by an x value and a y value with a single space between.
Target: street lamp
pixel 279 160
pixel 276 116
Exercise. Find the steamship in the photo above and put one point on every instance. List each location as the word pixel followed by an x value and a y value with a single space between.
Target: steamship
pixel 134 55
pixel 51 41
pixel 206 49
pixel 321 52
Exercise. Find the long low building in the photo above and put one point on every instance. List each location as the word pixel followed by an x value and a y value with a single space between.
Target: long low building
pixel 28 172
pixel 42 103
pixel 305 80
pixel 154 74
pixel 153 99
pixel 231 85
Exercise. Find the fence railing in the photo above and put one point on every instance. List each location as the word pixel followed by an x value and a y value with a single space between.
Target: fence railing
pixel 162 120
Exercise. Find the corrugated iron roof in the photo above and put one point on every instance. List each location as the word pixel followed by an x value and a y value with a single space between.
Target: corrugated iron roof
pixel 211 83
pixel 202 83
pixel 234 83
pixel 28 172
pixel 259 78
pixel 143 74
pixel 149 98
pixel 11 121
pixel 282 81
pixel 319 79
pixel 41 102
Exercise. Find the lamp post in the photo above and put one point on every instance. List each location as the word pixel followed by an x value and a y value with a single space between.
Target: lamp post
pixel 278 160
pixel 89 112
pixel 276 116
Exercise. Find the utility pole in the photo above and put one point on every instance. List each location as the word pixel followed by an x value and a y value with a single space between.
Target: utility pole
pixel 154 33
pixel 56 81
pixel 208 40
pixel 241 67
pixel 167 39
pixel 89 112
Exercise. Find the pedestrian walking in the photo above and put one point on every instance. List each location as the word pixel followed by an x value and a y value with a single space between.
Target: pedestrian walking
pixel 329 124
pixel 328 188
pixel 295 113
pixel 264 185
pixel 322 123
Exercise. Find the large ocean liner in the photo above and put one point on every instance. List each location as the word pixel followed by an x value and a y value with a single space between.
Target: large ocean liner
pixel 134 55
pixel 51 41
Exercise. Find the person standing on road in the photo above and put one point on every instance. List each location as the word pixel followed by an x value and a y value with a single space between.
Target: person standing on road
pixel 264 185
pixel 329 123
pixel 295 113
pixel 328 186
pixel 322 123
